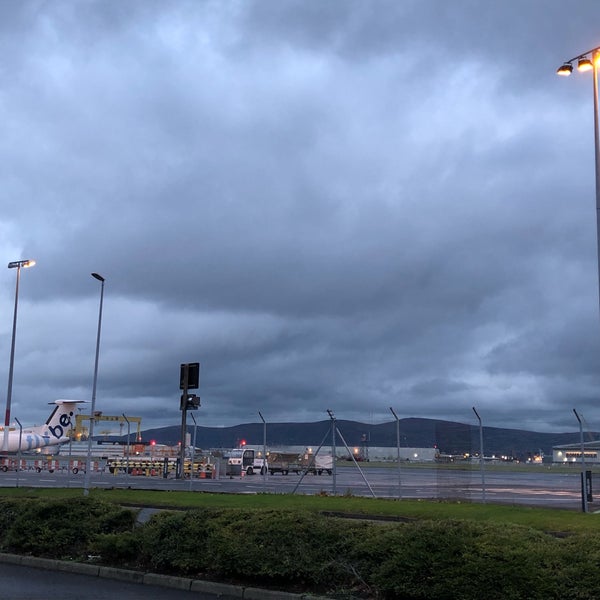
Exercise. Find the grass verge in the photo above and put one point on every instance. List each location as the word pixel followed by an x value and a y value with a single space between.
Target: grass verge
pixel 541 519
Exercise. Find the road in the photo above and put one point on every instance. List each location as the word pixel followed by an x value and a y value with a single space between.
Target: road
pixel 27 583
pixel 537 487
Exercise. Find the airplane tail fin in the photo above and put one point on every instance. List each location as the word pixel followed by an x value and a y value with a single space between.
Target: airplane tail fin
pixel 60 420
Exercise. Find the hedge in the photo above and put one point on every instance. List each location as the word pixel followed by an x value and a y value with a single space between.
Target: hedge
pixel 296 550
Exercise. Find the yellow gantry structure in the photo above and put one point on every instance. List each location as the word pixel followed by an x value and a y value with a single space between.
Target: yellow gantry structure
pixel 81 432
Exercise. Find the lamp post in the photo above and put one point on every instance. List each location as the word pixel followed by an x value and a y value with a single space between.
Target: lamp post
pixel 19 449
pixel 264 469
pixel 588 61
pixel 481 457
pixel 398 452
pixel 88 466
pixel 128 447
pixel 333 450
pixel 584 506
pixel 17 264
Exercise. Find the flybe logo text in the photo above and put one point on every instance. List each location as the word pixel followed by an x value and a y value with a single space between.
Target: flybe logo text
pixel 64 422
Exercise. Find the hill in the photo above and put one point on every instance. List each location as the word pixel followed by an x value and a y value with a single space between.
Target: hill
pixel 448 436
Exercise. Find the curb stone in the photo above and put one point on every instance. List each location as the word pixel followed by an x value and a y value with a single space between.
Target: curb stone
pixel 11 559
pixel 40 563
pixel 121 574
pixel 170 581
pixel 81 568
pixel 220 590
pixel 260 594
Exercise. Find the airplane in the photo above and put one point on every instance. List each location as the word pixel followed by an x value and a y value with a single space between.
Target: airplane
pixel 53 433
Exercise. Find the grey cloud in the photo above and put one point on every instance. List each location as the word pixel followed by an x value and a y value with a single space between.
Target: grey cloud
pixel 329 205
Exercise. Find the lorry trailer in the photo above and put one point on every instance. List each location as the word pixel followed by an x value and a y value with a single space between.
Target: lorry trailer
pixel 306 462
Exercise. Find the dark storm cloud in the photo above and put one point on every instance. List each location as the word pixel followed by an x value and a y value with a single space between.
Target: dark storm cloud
pixel 339 205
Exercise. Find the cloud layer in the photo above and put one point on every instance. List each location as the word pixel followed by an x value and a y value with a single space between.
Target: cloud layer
pixel 339 205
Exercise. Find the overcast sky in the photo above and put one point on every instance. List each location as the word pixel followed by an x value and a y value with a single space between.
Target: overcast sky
pixel 345 204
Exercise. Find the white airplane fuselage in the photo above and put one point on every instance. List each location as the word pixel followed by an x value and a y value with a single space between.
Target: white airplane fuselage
pixel 52 433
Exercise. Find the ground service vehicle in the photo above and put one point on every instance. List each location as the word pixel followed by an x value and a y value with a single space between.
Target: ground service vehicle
pixel 246 461
pixel 166 467
pixel 282 462
pixel 307 462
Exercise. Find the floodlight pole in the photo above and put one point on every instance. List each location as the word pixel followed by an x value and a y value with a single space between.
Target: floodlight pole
pixel 584 505
pixel 333 450
pixel 17 264
pixel 265 470
pixel 128 447
pixel 481 459
pixel 398 452
pixel 88 465
pixel 19 449
pixel 585 64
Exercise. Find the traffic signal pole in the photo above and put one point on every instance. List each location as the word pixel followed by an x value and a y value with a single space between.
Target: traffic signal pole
pixel 183 405
pixel 189 379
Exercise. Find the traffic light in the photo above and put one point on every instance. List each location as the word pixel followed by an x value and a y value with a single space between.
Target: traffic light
pixel 189 402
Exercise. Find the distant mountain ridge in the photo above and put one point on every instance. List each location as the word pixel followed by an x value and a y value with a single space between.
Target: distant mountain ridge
pixel 450 437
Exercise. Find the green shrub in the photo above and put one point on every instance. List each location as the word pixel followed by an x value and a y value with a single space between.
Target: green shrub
pixel 174 542
pixel 9 511
pixel 121 549
pixel 63 528
pixel 461 561
pixel 284 546
pixel 271 547
pixel 421 560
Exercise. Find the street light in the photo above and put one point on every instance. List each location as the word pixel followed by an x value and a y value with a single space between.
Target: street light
pixel 128 446
pixel 264 469
pixel 17 264
pixel 88 467
pixel 481 455
pixel 589 61
pixel 398 452
pixel 584 505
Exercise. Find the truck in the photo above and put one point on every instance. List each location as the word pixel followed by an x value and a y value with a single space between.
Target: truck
pixel 246 461
pixel 306 462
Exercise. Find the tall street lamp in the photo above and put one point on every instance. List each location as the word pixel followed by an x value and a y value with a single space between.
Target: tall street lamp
pixel 17 264
pixel 398 451
pixel 264 470
pixel 588 61
pixel 481 455
pixel 88 468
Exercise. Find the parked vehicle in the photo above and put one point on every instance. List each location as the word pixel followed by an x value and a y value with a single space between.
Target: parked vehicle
pixel 166 467
pixel 306 462
pixel 283 462
pixel 246 461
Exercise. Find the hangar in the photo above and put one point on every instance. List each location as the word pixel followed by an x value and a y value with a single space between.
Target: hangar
pixel 571 453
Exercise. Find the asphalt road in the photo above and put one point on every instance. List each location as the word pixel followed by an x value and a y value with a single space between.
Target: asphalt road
pixel 537 487
pixel 27 583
